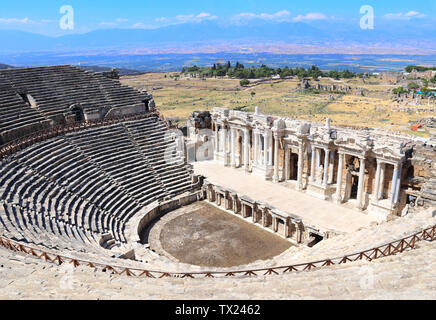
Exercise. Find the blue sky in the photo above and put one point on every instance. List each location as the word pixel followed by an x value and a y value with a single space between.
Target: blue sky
pixel 43 16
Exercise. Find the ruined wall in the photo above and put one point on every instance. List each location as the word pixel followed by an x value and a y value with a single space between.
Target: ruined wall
pixel 424 175
pixel 201 120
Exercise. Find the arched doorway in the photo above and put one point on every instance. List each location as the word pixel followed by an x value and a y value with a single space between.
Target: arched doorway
pixel 78 113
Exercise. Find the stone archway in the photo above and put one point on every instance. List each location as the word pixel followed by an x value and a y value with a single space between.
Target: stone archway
pixel 77 111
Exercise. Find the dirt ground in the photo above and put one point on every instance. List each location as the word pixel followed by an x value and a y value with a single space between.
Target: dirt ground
pixel 208 236
pixel 177 99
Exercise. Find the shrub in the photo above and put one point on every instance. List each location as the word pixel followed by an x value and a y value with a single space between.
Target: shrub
pixel 244 82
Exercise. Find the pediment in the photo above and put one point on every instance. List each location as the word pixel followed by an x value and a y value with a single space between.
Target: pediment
pixel 386 152
pixel 236 121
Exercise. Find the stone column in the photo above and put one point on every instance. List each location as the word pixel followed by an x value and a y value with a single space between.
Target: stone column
pixel 398 185
pixel 225 145
pixel 338 195
pixel 312 165
pixel 286 231
pixel 393 185
pixel 246 149
pixel 270 149
pixel 377 180
pixel 298 233
pixel 318 157
pixel 217 144
pixel 265 149
pixel 382 181
pixel 263 218
pixel 326 166
pixel 300 166
pixel 233 148
pixel 361 184
pixel 286 169
pixel 318 163
pixel 276 158
pixel 239 148
pixel 331 166
pixel 256 146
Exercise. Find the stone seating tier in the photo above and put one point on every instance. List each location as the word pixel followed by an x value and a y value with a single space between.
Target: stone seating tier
pixel 53 90
pixel 75 188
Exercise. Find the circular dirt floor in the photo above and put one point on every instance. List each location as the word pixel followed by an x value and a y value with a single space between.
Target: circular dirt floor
pixel 206 236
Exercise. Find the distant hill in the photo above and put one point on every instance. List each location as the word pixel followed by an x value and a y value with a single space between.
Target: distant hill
pixel 211 33
pixel 5 66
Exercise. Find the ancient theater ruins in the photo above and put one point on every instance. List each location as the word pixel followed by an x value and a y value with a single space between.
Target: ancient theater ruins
pixel 93 176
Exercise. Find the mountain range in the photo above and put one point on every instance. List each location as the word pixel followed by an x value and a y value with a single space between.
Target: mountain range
pixel 209 33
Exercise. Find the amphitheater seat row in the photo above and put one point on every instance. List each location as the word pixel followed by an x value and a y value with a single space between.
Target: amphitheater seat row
pixel 32 98
pixel 14 112
pixel 77 187
pixel 56 88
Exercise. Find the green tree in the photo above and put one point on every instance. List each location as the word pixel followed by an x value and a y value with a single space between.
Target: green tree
pixel 410 68
pixel 413 86
pixel 221 73
pixel 398 90
pixel 425 82
pixel 244 82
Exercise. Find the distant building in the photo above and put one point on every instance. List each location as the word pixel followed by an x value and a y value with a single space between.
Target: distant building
pixel 392 77
pixel 429 74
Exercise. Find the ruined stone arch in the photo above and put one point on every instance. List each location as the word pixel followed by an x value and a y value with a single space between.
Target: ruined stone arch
pixel 78 113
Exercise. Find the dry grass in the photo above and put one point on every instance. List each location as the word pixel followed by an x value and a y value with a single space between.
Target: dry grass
pixel 374 110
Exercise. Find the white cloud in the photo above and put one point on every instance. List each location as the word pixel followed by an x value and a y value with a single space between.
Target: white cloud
pixel 186 18
pixel 393 16
pixel 405 16
pixel 195 18
pixel 15 21
pixel 162 19
pixel 279 16
pixel 415 14
pixel 310 17
pixel 117 21
pixel 141 25
pixel 204 15
pixel 106 24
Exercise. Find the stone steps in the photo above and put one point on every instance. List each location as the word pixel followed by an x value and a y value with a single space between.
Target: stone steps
pixel 406 276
